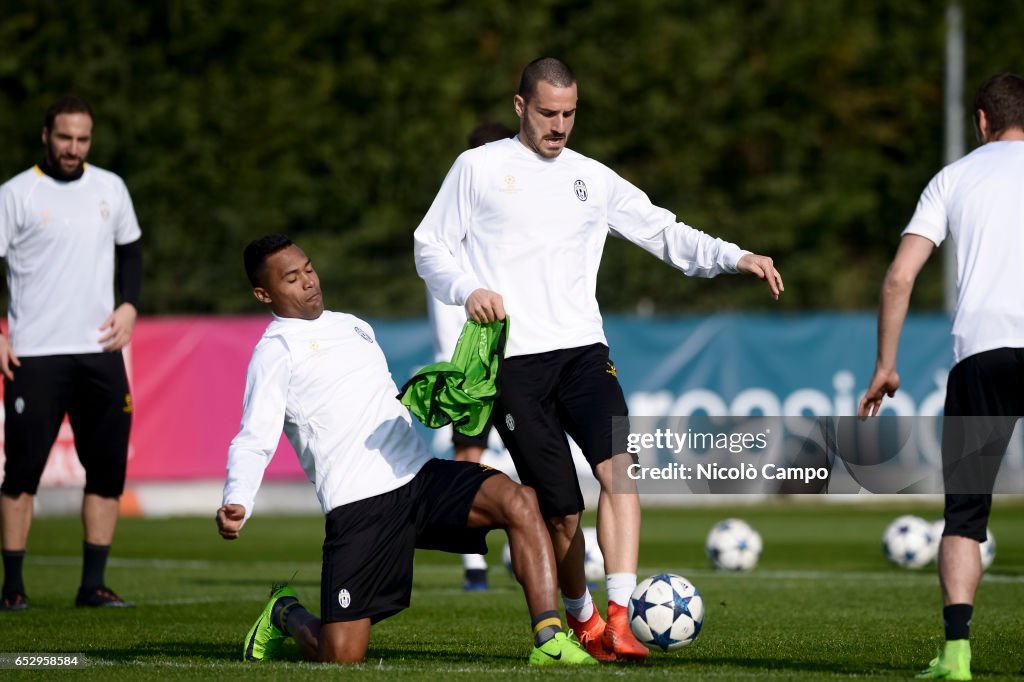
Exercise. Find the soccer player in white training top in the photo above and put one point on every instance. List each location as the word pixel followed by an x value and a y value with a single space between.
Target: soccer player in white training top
pixel 64 224
pixel 518 227
pixel 321 377
pixel 975 201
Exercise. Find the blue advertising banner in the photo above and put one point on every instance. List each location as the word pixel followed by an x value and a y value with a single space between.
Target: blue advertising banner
pixel 740 365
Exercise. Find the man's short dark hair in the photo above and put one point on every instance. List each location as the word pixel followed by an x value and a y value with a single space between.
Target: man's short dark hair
pixel 66 104
pixel 554 71
pixel 488 132
pixel 1001 97
pixel 256 254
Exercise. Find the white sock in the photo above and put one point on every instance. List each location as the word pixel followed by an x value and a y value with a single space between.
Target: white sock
pixel 472 562
pixel 620 587
pixel 581 608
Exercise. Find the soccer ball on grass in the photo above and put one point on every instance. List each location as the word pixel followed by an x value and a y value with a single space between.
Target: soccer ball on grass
pixel 666 611
pixel 910 542
pixel 733 545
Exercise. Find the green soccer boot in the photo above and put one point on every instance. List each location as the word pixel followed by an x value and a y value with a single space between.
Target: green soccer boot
pixel 562 649
pixel 952 663
pixel 264 638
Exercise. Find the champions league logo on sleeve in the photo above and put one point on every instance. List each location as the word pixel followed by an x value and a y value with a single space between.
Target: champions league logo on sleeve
pixel 580 188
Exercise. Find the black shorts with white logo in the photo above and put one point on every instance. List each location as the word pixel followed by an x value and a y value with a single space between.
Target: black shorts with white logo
pixel 546 395
pixel 985 391
pixel 369 544
pixel 92 389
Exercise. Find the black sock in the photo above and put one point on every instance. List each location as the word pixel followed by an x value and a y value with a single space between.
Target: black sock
pixel 289 616
pixel 545 626
pixel 12 572
pixel 94 562
pixel 957 618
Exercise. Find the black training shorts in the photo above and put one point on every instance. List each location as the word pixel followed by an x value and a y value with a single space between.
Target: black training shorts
pixel 546 395
pixel 369 544
pixel 92 389
pixel 984 399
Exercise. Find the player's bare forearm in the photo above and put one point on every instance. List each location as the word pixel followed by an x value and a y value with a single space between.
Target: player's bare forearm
pixel 763 268
pixel 911 256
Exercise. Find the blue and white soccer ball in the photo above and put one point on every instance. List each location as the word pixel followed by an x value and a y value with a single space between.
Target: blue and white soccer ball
pixel 666 611
pixel 987 549
pixel 733 545
pixel 910 542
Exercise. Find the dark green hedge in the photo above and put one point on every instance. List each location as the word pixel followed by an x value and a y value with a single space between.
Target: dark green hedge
pixel 802 129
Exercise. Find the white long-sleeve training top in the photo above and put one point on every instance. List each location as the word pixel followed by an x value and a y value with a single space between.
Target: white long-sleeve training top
pixel 533 230
pixel 326 383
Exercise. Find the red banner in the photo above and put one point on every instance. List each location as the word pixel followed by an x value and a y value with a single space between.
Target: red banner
pixel 187 377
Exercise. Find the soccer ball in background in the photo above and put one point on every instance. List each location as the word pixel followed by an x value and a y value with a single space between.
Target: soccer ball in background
pixel 987 548
pixel 666 611
pixel 506 558
pixel 910 542
pixel 593 559
pixel 733 545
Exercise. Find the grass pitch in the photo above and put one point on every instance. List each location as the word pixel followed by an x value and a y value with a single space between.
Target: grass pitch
pixel 822 604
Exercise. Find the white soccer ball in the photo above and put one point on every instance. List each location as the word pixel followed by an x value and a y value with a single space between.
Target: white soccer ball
pixel 593 559
pixel 506 558
pixel 733 545
pixel 910 542
pixel 666 611
pixel 987 549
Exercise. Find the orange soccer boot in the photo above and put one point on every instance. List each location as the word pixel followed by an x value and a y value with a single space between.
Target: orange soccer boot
pixel 618 637
pixel 591 635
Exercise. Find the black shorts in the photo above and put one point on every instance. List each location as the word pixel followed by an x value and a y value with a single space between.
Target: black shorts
pixel 92 389
pixel 546 395
pixel 984 400
pixel 369 544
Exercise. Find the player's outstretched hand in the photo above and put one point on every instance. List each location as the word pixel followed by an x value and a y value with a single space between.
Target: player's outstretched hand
pixel 485 306
pixel 7 358
pixel 883 383
pixel 229 520
pixel 763 268
pixel 119 327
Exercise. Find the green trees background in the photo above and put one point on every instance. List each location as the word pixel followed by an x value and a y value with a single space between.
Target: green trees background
pixel 801 129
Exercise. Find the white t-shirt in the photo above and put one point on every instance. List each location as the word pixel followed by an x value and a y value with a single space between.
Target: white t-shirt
pixel 533 230
pixel 58 239
pixel 327 384
pixel 979 202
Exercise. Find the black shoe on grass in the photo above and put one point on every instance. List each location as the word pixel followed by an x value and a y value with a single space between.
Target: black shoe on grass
pixel 101 597
pixel 13 601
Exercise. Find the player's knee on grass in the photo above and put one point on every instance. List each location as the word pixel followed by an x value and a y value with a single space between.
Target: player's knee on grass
pixel 344 642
